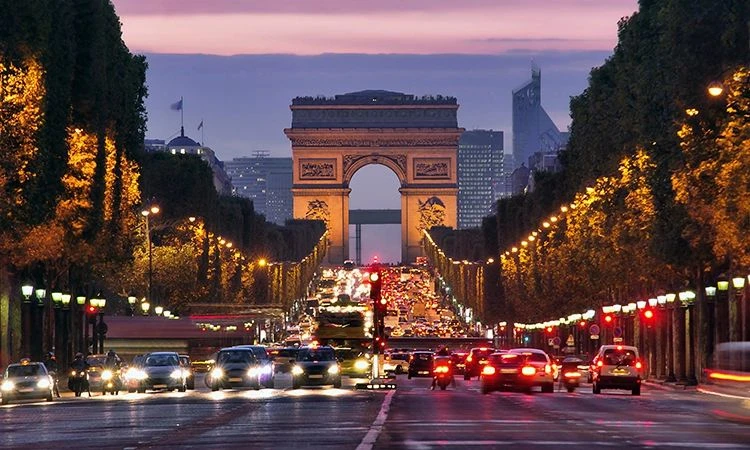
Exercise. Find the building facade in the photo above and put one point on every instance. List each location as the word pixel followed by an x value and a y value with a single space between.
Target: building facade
pixel 183 145
pixel 533 129
pixel 266 181
pixel 481 178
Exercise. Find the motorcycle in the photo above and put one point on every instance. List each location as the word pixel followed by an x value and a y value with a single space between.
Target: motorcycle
pixel 111 382
pixel 442 373
pixel 570 375
pixel 78 382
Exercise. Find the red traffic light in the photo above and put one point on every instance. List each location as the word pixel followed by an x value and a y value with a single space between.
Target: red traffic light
pixel 608 318
pixel 383 301
pixel 648 314
pixel 92 309
pixel 549 329
pixel 583 324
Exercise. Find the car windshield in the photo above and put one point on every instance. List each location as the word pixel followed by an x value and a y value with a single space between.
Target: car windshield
pixel 24 371
pixel 235 356
pixel 346 353
pixel 482 353
pixel 161 360
pixel 400 356
pixel 287 353
pixel 96 360
pixel 507 359
pixel 260 353
pixel 423 356
pixel 619 357
pixel 316 354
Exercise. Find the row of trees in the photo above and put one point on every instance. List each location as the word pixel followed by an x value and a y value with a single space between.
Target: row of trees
pixel 74 178
pixel 656 168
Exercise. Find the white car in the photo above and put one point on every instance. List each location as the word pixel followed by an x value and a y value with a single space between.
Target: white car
pixel 396 362
pixel 26 380
pixel 617 367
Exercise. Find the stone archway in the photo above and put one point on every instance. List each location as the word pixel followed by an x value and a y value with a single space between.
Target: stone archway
pixel 417 138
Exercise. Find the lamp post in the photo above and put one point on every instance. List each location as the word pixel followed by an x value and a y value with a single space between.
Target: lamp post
pixel 101 327
pixel 37 332
pixel 145 306
pixel 82 335
pixel 66 346
pixel 688 300
pixel 131 304
pixel 710 324
pixel 57 304
pixel 26 290
pixel 722 309
pixel 147 213
pixel 738 283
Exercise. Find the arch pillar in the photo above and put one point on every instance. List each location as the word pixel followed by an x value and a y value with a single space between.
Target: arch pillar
pixel 332 206
pixel 419 210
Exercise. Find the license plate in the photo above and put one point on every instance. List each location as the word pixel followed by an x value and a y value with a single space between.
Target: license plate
pixel 157 386
pixel 235 380
pixel 315 376
pixel 620 372
pixel 26 390
pixel 508 371
pixel 482 362
pixel 423 372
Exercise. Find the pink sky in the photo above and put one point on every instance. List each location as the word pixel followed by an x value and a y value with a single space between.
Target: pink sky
pixel 308 27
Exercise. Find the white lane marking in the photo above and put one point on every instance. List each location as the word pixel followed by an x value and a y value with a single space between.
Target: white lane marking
pixel 414 444
pixel 377 426
pixel 719 394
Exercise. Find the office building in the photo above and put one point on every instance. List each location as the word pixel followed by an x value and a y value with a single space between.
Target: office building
pixel 266 181
pixel 481 178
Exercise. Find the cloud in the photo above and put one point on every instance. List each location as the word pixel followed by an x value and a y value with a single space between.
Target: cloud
pixel 418 27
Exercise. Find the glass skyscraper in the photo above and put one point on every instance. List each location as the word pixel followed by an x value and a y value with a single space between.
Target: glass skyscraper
pixel 481 179
pixel 266 181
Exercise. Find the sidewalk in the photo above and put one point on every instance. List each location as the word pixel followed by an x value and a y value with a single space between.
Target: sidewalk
pixel 668 385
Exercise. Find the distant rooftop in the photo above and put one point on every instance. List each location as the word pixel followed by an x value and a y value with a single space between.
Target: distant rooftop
pixel 375 97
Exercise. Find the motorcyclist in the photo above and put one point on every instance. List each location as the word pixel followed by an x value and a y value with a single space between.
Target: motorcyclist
pixel 79 363
pixel 442 360
pixel 112 361
pixel 51 364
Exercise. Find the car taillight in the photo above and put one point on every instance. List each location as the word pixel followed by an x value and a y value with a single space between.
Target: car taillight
pixel 572 374
pixel 469 358
pixel 441 369
pixel 599 363
pixel 528 371
pixel 547 368
pixel 488 370
pixel 638 365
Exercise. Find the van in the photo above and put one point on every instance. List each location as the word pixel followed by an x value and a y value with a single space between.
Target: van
pixel 617 367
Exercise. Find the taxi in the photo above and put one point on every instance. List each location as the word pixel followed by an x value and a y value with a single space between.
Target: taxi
pixel 27 380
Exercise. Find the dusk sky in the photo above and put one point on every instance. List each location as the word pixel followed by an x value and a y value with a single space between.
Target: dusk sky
pixel 238 64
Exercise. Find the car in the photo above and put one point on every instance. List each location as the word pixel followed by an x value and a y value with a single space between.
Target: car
pixel 420 364
pixel 519 368
pixel 96 372
pixel 27 380
pixel 458 359
pixel 315 366
pixel 353 363
pixel 160 370
pixel 283 358
pixel 396 362
pixel 133 374
pixel 617 367
pixel 475 360
pixel 187 366
pixel 266 363
pixel 235 367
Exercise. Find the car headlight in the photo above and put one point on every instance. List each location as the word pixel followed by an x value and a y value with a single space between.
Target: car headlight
pixel 360 364
pixel 43 383
pixel 176 374
pixel 7 385
pixel 297 370
pixel 333 370
pixel 140 375
pixel 253 372
pixel 217 373
pixel 107 375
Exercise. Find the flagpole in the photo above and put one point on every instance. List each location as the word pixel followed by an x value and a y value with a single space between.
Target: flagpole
pixel 182 114
pixel 202 127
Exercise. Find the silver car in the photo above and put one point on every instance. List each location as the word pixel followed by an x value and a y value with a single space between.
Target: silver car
pixel 27 380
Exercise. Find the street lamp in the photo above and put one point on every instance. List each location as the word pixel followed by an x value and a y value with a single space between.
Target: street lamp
pixel 738 283
pixel 147 213
pixel 131 303
pixel 145 307
pixel 158 310
pixel 670 298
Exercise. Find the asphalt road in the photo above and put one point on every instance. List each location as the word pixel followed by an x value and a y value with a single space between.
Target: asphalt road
pixel 411 417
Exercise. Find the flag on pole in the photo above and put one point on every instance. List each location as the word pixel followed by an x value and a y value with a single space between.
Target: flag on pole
pixel 176 106
pixel 200 125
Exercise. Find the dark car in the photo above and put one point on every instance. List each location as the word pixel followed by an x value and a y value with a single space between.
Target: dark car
pixel 266 363
pixel 475 360
pixel 189 373
pixel 517 369
pixel 25 381
pixel 235 367
pixel 316 366
pixel 283 358
pixel 420 364
pixel 458 359
pixel 162 370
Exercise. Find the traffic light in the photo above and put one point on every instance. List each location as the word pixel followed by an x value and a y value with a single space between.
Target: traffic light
pixel 91 314
pixel 375 284
pixel 608 319
pixel 582 324
pixel 550 330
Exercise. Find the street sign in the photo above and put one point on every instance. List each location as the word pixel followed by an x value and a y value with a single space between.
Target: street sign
pixel 556 341
pixel 594 330
pixel 617 332
pixel 550 342
pixel 571 341
pixel 617 340
pixel 594 336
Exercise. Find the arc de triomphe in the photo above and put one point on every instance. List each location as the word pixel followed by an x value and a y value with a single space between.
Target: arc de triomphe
pixel 417 138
